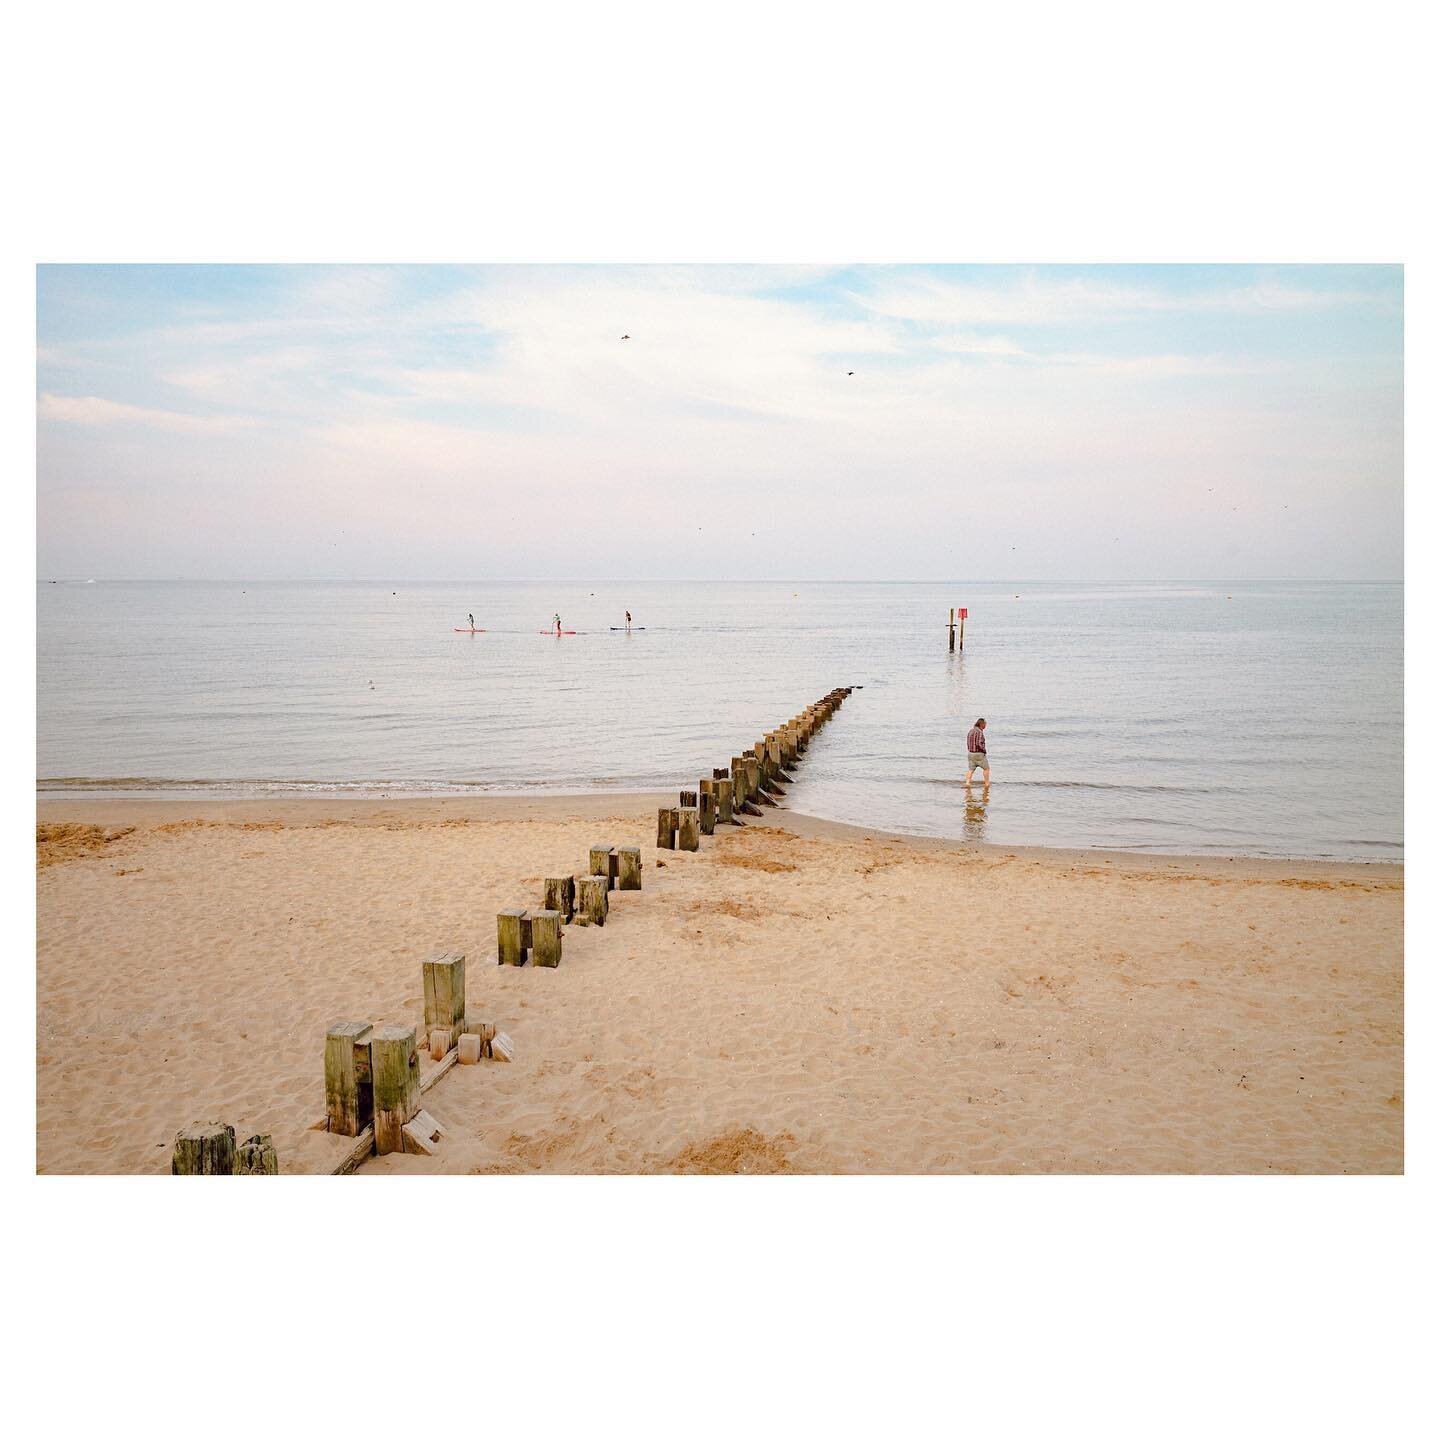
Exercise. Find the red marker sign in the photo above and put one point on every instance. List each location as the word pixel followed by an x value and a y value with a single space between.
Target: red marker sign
pixel 964 614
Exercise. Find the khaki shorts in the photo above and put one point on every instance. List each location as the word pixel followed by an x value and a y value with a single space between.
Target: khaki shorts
pixel 978 761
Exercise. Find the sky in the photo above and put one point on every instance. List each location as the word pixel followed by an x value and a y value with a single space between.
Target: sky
pixel 1107 423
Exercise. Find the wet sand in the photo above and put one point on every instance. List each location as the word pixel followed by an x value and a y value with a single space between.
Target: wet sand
pixel 798 997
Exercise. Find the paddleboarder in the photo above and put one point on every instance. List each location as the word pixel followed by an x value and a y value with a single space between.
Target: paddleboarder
pixel 557 624
pixel 472 622
pixel 627 619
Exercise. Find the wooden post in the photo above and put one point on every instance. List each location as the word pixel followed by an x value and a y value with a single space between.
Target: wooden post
pixel 560 895
pixel 690 798
pixel 629 858
pixel 777 760
pixel 725 801
pixel 737 772
pixel 444 982
pixel 952 628
pixel 257 1157
pixel 349 1098
pixel 707 807
pixel 510 937
pixel 757 795
pixel 769 786
pixel 592 902
pixel 689 827
pixel 600 856
pixel 396 1064
pixel 665 832
pixel 547 931
pixel 964 611
pixel 204 1150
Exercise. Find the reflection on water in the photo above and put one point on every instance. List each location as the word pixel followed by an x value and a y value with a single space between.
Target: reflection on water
pixel 977 804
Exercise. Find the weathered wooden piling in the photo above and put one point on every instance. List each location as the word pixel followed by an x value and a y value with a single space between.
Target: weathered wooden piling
pixel 349 1097
pixel 689 834
pixel 602 861
pixel 560 895
pixel 768 788
pixel 510 936
pixel 753 781
pixel 737 774
pixel 667 824
pixel 725 801
pixel 629 858
pixel 547 932
pixel 777 760
pixel 204 1149
pixel 592 902
pixel 707 807
pixel 690 798
pixel 257 1157
pixel 396 1064
pixel 444 982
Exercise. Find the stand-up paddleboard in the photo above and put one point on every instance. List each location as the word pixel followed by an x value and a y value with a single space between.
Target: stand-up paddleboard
pixel 627 627
pixel 461 630
pixel 559 632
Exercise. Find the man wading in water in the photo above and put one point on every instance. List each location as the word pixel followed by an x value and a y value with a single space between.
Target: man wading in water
pixel 979 758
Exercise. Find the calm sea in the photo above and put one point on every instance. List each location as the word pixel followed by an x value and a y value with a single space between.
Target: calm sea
pixel 1256 719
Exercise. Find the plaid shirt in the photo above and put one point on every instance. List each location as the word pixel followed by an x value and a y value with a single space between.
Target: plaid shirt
pixel 975 741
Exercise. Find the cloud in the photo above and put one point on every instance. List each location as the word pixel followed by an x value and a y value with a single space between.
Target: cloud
pixel 95 410
pixel 1040 300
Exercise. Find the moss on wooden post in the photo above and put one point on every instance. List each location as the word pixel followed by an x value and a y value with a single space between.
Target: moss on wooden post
pixel 629 860
pixel 204 1149
pixel 560 895
pixel 349 1099
pixel 601 861
pixel 547 933
pixel 396 1064
pixel 510 939
pixel 592 902
pixel 444 981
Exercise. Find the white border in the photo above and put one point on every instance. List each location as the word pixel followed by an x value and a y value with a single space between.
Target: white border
pixel 644 132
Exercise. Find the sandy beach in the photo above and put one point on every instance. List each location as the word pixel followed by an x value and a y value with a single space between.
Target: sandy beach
pixel 797 997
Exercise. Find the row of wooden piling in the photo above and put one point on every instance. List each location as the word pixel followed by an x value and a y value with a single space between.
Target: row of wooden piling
pixel 752 779
pixel 372 1073
pixel 539 935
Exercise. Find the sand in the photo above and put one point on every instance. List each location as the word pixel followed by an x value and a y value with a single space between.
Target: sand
pixel 798 997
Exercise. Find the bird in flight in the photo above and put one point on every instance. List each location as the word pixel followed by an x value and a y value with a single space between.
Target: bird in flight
pixel 624 337
pixel 849 372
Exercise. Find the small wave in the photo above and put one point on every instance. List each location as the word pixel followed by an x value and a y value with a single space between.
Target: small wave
pixel 360 789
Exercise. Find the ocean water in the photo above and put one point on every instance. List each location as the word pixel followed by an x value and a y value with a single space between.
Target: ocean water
pixel 1251 719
